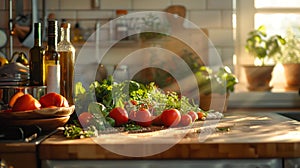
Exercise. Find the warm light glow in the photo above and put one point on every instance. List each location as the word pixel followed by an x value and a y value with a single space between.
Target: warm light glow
pixel 234 59
pixel 278 76
pixel 290 135
pixel 283 22
pixel 277 3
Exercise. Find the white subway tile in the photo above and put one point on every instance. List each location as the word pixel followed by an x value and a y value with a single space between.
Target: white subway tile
pixel 115 4
pixel 214 56
pixel 206 18
pixel 227 55
pixel 51 5
pixel 153 4
pixel 221 37
pixel 95 14
pixel 219 4
pixel 190 4
pixel 75 4
pixel 227 19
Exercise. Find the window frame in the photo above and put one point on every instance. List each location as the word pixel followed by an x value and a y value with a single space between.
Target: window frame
pixel 245 15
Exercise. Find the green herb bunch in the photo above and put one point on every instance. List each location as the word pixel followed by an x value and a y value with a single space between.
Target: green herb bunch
pixel 290 51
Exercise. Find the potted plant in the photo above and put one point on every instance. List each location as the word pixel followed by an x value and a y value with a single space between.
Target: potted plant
pixel 215 87
pixel 264 49
pixel 290 59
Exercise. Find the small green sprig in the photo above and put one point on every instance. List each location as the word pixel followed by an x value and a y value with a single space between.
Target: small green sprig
pixel 73 131
pixel 131 127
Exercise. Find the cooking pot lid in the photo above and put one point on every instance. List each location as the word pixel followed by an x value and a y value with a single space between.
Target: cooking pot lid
pixel 14 68
pixel 13 72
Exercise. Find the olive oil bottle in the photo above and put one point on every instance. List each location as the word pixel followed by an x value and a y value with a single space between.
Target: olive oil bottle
pixel 67 58
pixel 51 56
pixel 36 58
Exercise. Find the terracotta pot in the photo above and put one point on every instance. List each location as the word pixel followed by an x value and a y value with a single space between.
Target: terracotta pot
pixel 214 101
pixel 258 77
pixel 292 76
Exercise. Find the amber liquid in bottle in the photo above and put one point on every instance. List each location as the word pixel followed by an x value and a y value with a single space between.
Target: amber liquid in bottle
pixel 67 57
pixel 66 74
pixel 36 58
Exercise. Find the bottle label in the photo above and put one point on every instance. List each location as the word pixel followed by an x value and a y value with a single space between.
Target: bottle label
pixel 53 79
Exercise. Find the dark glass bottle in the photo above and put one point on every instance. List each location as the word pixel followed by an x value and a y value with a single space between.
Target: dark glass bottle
pixel 51 56
pixel 36 58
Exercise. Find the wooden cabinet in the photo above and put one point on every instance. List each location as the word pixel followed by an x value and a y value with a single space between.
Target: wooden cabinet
pixel 19 155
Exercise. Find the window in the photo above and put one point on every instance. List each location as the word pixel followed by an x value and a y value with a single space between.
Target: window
pixel 277 16
pixel 277 4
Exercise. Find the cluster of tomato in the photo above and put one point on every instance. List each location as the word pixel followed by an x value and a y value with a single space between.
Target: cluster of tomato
pixel 143 117
pixel 26 102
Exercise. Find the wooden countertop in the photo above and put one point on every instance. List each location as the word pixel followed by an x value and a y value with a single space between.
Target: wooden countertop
pixel 251 135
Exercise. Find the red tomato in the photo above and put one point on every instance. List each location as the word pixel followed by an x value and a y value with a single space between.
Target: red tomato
pixel 170 117
pixel 133 102
pixel 156 120
pixel 85 118
pixel 7 111
pixel 53 99
pixel 14 98
pixel 186 120
pixel 194 115
pixel 143 118
pixel 51 107
pixel 200 115
pixel 132 115
pixel 120 115
pixel 26 102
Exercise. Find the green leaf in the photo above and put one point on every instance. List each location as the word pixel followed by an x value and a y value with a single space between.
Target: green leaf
pixel 97 108
pixel 79 89
pixel 110 121
pixel 75 132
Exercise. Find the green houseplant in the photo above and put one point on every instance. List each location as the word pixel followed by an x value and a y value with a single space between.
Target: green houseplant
pixel 264 49
pixel 215 87
pixel 290 59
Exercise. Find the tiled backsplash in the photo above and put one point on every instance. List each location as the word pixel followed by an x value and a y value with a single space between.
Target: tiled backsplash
pixel 215 15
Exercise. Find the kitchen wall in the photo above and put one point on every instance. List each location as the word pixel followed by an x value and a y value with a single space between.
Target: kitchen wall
pixel 215 15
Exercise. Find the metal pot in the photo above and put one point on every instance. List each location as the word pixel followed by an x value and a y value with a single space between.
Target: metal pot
pixel 6 92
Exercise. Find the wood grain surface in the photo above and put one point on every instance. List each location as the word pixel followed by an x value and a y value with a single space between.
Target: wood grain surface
pixel 250 135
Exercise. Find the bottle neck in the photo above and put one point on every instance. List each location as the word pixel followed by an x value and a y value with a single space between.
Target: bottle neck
pixel 65 34
pixel 52 35
pixel 52 42
pixel 37 42
pixel 37 35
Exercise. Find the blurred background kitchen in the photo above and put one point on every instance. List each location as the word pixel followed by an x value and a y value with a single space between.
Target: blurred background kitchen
pixel 227 23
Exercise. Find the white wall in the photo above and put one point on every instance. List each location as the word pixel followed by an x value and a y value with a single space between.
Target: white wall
pixel 215 15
